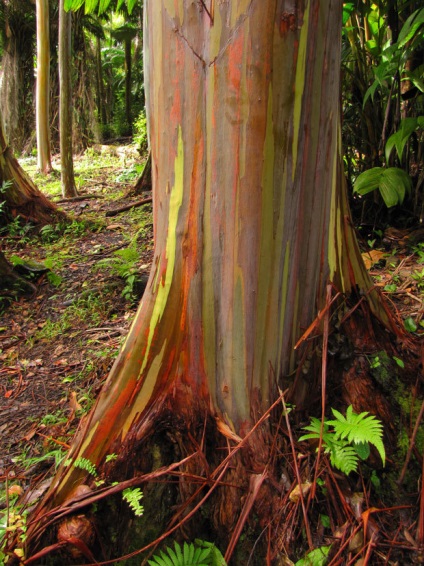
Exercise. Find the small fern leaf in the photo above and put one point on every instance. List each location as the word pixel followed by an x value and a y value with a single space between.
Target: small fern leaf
pixel 358 429
pixel 85 464
pixel 187 553
pixel 378 443
pixel 344 458
pixel 175 557
pixel 201 556
pixel 161 560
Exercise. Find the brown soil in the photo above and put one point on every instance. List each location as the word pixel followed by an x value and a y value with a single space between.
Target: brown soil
pixel 58 344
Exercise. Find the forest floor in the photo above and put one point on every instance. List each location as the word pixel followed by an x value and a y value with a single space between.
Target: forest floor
pixel 58 344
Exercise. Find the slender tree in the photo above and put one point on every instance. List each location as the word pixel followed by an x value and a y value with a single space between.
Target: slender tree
pixel 43 86
pixel 126 34
pixel 17 31
pixel 252 234
pixel 65 103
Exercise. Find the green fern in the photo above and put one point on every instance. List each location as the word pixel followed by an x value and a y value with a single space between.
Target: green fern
pixel 133 496
pixel 199 553
pixel 359 429
pixel 83 464
pixel 347 439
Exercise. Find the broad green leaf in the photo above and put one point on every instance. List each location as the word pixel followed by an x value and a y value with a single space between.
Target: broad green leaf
pixel 368 181
pixel 373 47
pixel 370 92
pixel 317 557
pixel 362 449
pixel 375 22
pixel 348 8
pixel 420 121
pixel 412 24
pixel 394 184
pixel 383 72
pixel 415 79
pixel 391 143
pixel 408 125
pixel 410 324
pixel 399 362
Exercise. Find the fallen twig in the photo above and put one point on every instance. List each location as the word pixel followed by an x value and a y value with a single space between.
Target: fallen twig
pixel 79 197
pixel 128 206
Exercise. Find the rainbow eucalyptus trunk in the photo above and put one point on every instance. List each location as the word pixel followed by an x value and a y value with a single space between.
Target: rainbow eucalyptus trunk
pixel 251 225
pixel 43 87
pixel 65 103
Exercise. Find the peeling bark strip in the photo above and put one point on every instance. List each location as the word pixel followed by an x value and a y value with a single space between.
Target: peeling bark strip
pixel 250 218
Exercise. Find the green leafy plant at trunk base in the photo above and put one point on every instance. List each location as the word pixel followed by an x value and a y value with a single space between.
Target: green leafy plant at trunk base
pixel 393 184
pixel 199 553
pixel 347 439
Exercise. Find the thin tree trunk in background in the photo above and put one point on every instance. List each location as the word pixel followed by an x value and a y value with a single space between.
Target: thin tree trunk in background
pixel 251 225
pixel 128 81
pixel 100 86
pixel 43 87
pixel 65 103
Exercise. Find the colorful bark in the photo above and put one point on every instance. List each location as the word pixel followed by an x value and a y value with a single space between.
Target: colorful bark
pixel 65 103
pixel 43 87
pixel 250 218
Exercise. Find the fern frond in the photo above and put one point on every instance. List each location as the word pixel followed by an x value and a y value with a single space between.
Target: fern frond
pixel 344 458
pixel 85 464
pixel 133 496
pixel 188 553
pixel 199 553
pixel 358 429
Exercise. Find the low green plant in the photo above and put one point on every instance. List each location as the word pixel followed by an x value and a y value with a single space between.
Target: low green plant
pixel 130 174
pixel 347 439
pixel 393 184
pixel 133 496
pixel 84 464
pixel 140 132
pixel 419 251
pixel 3 188
pixel 57 455
pixel 199 553
pixel 54 419
pixel 12 521
pixel 316 557
pixel 418 276
pixel 400 138
pixel 124 264
pixel 410 324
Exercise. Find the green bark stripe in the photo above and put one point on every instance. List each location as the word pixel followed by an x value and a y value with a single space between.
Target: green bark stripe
pixel 175 202
pixel 267 251
pixel 299 86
